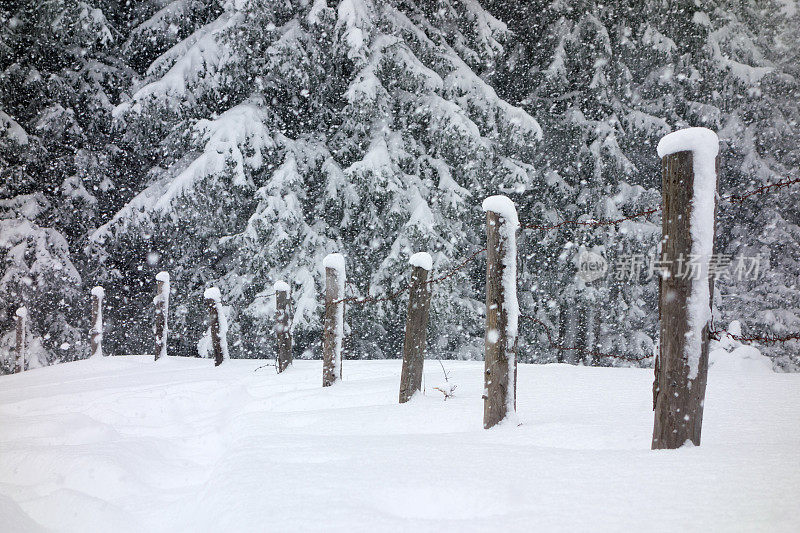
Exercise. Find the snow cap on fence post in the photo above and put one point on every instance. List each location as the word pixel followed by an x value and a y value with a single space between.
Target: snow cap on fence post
pixel 502 310
pixel 333 328
pixel 421 260
pixel 96 333
pixel 689 184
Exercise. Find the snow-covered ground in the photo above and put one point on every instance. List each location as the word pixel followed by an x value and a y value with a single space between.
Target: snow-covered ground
pixel 123 443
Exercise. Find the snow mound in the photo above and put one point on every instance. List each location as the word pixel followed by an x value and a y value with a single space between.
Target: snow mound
pixel 743 359
pixel 121 443
pixel 15 519
pixel 421 260
pixel 98 291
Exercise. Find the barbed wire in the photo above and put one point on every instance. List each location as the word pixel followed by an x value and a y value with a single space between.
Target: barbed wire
pixel 738 198
pixel 595 353
pixel 354 300
pixel 591 223
pixel 715 333
pixel 453 271
pixel 733 198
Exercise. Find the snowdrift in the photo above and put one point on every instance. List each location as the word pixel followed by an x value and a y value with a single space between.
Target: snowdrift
pixel 123 444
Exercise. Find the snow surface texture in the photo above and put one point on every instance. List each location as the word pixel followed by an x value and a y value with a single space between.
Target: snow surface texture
pixel 704 144
pixel 336 262
pixel 164 296
pixel 83 446
pixel 422 260
pixel 213 293
pixel 97 328
pixel 504 207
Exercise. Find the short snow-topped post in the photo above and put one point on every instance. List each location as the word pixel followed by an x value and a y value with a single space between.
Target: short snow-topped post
pixel 419 299
pixel 689 165
pixel 283 321
pixel 218 324
pixel 333 331
pixel 96 333
pixel 161 303
pixel 502 310
pixel 21 318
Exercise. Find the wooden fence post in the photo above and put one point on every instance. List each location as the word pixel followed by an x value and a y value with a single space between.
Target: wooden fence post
pixel 218 324
pixel 689 184
pixel 161 302
pixel 283 320
pixel 502 311
pixel 333 332
pixel 21 317
pixel 96 333
pixel 419 300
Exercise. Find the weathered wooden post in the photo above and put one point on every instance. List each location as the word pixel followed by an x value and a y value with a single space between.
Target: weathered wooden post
pixel 21 318
pixel 283 320
pixel 333 332
pixel 161 302
pixel 96 333
pixel 689 184
pixel 218 324
pixel 419 300
pixel 502 310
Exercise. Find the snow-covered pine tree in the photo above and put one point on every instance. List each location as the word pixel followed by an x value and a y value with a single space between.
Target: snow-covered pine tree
pixel 607 80
pixel 39 275
pixel 57 159
pixel 362 129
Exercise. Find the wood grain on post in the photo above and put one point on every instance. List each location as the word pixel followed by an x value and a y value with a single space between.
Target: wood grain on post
pixel 419 300
pixel 334 321
pixel 212 303
pixel 500 355
pixel 20 317
pixel 96 337
pixel 283 320
pixel 161 302
pixel 678 399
